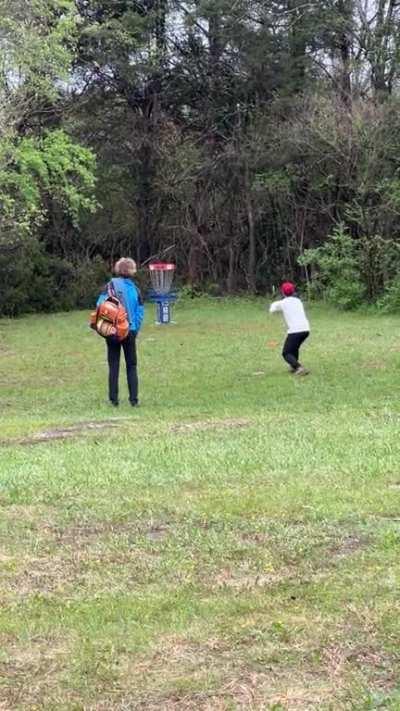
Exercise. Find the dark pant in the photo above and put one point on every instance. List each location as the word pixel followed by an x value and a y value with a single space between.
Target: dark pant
pixel 291 348
pixel 113 356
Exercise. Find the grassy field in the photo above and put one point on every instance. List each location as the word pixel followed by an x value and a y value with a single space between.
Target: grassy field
pixel 232 544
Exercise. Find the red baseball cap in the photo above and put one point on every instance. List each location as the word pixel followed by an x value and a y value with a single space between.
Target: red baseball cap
pixel 287 288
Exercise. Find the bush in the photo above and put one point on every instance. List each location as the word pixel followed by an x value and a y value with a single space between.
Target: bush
pixel 15 274
pixel 34 281
pixel 89 277
pixel 390 301
pixel 337 274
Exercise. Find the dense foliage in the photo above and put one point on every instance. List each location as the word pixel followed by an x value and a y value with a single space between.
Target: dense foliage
pixel 247 141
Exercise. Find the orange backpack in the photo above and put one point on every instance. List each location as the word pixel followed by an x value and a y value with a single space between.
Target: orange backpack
pixel 110 319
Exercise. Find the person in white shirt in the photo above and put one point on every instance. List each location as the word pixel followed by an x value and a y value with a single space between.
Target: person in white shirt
pixel 298 326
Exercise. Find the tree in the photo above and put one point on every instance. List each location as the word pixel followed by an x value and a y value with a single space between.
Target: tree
pixel 37 166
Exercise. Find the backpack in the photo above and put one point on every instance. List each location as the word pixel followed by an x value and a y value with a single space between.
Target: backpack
pixel 110 320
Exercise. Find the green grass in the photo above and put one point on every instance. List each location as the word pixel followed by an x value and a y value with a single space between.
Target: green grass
pixel 233 543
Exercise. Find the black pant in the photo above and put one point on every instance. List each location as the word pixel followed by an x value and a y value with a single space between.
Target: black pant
pixel 113 356
pixel 291 348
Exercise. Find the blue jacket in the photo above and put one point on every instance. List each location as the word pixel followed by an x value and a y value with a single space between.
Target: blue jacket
pixel 127 292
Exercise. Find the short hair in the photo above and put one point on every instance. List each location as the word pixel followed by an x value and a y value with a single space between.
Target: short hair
pixel 125 267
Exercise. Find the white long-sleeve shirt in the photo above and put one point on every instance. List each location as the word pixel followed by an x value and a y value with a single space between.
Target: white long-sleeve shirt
pixel 293 312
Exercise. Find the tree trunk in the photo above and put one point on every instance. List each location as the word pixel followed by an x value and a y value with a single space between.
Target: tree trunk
pixel 194 262
pixel 297 44
pixel 231 280
pixel 381 73
pixel 345 11
pixel 345 8
pixel 252 246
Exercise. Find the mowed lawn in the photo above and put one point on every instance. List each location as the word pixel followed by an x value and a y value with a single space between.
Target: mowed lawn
pixel 233 543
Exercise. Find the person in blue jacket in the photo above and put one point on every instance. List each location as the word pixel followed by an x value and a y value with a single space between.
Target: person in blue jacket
pixel 128 293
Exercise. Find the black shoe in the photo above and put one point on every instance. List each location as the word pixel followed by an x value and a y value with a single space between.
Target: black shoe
pixel 134 403
pixel 114 403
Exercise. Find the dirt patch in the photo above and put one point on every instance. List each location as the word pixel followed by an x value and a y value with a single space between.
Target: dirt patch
pixel 348 546
pixel 242 579
pixel 68 432
pixel 379 666
pixel 175 702
pixel 255 539
pixel 255 691
pixel 47 576
pixel 212 425
pixel 374 663
pixel 80 535
pixel 75 571
pixel 178 652
pixel 29 673
pixel 5 351
pixel 31 514
pixel 335 658
pixel 375 365
pixel 157 533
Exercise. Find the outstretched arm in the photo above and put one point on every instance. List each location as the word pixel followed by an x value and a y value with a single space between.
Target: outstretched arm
pixel 275 307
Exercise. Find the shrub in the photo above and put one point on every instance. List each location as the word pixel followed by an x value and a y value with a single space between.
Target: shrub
pixel 390 301
pixel 336 267
pixel 34 281
pixel 89 277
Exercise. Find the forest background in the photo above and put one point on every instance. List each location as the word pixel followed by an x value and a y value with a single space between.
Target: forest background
pixel 247 141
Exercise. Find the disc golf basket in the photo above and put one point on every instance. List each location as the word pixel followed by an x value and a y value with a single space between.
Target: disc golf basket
pixel 161 294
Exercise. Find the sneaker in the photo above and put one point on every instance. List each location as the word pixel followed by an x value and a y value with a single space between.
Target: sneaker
pixel 114 403
pixel 134 403
pixel 302 371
